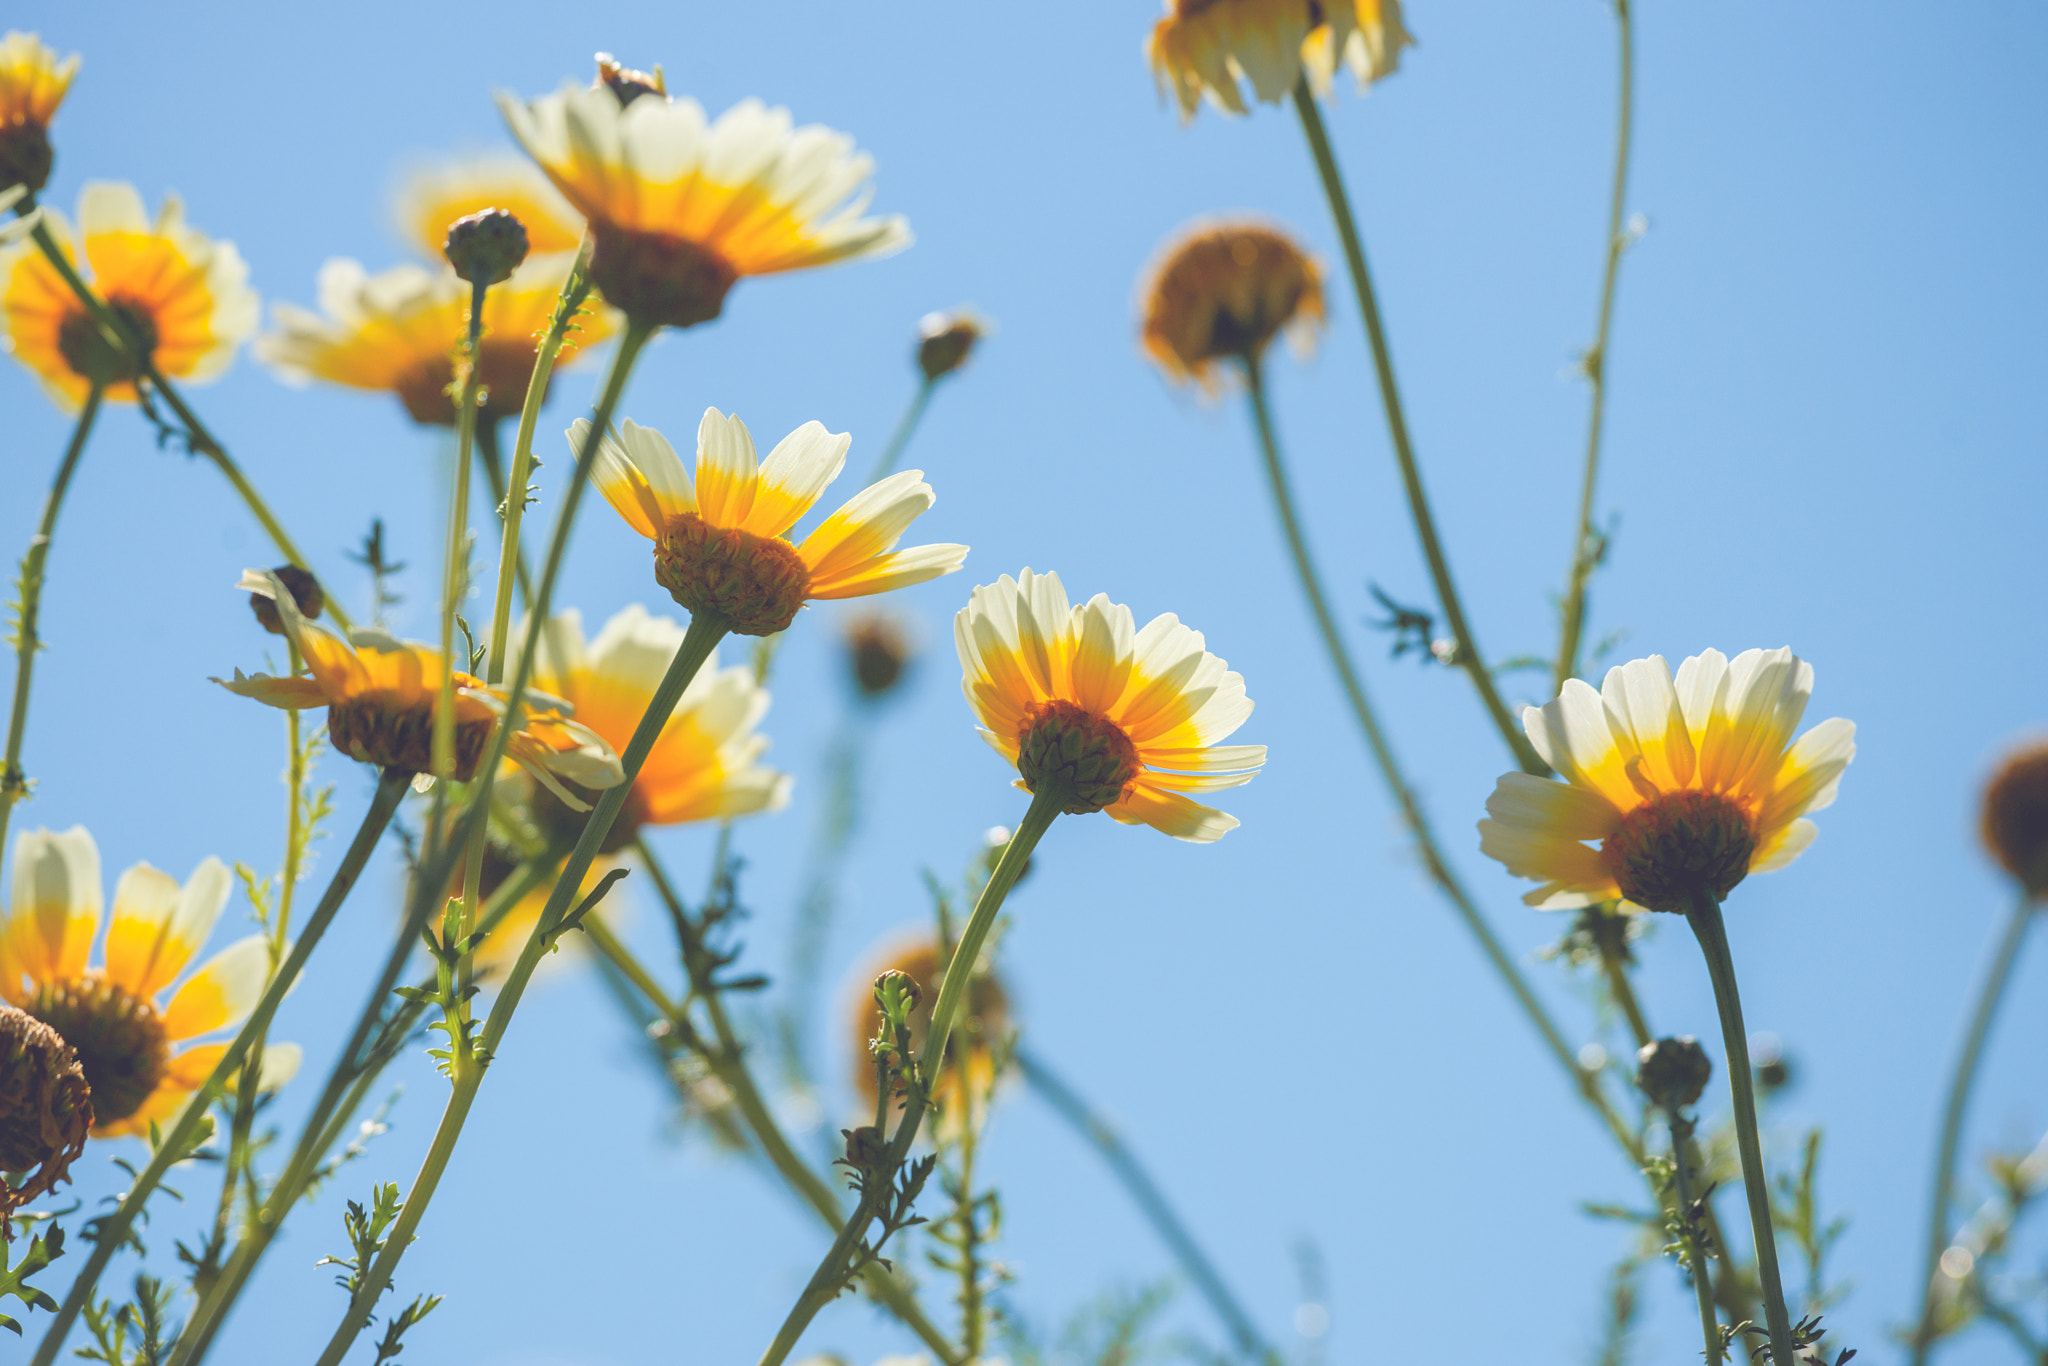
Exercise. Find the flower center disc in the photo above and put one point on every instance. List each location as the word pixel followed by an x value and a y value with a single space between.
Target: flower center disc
pixel 86 351
pixel 119 1040
pixel 755 582
pixel 1086 758
pixel 1679 846
pixel 374 733
pixel 657 279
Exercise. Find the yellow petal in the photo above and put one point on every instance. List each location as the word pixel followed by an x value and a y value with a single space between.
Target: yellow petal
pixel 222 992
pixel 157 926
pixel 56 905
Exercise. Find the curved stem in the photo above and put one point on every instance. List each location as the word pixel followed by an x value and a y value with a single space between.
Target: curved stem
pixel 1151 1201
pixel 1702 1279
pixel 905 426
pixel 1469 657
pixel 825 1282
pixel 1585 550
pixel 1988 996
pixel 27 642
pixel 113 1230
pixel 1707 926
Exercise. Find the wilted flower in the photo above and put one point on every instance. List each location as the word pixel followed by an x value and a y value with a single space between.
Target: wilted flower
pixel 2015 821
pixel 1221 292
pixel 981 1028
pixel 45 1110
pixel 1121 720
pixel 720 534
pixel 184 297
pixel 434 196
pixel 1208 47
pixel 1686 787
pixel 32 84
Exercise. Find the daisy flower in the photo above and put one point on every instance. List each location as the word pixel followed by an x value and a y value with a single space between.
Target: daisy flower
pixel 1210 47
pixel 1121 720
pixel 435 195
pixel 1673 789
pixel 719 532
pixel 1221 292
pixel 185 296
pixel 115 1016
pixel 32 84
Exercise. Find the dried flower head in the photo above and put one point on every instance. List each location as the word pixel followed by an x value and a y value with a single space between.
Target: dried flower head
pixel 946 340
pixel 1673 1072
pixel 32 84
pixel 1210 47
pixel 2015 820
pixel 877 652
pixel 1221 292
pixel 45 1111
pixel 981 1030
pixel 305 591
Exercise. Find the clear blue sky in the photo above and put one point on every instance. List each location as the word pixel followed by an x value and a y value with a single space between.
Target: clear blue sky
pixel 1826 432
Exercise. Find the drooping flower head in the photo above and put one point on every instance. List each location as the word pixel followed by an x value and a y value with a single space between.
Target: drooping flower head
pixel 381 694
pixel 1122 720
pixel 32 84
pixel 398 332
pixel 680 208
pixel 183 295
pixel 1210 47
pixel 45 1111
pixel 982 1028
pixel 114 1016
pixel 1673 789
pixel 1221 291
pixel 2015 819
pixel 435 195
pixel 720 531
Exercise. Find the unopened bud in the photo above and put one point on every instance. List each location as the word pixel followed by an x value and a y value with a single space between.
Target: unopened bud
pixel 626 83
pixel 2015 822
pixel 1769 1064
pixel 1673 1072
pixel 305 591
pixel 945 340
pixel 485 247
pixel 865 1146
pixel 878 651
pixel 897 993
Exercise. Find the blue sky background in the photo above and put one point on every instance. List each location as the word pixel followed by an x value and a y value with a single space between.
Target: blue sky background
pixel 1825 432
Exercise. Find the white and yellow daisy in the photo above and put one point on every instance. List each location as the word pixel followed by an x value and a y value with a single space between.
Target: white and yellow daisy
pixel 1124 720
pixel 437 194
pixel 719 531
pixel 114 1015
pixel 33 82
pixel 1673 789
pixel 1211 47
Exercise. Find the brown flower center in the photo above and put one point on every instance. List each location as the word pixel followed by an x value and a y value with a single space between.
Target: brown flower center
pixel 45 1109
pixel 755 582
pixel 118 1037
pixel 403 738
pixel 2016 817
pixel 564 823
pixel 25 157
pixel 1087 759
pixel 1680 846
pixel 503 369
pixel 86 349
pixel 656 279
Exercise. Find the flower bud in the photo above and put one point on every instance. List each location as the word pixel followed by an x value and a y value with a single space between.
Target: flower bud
pixel 45 1110
pixel 626 83
pixel 1673 1072
pixel 485 247
pixel 945 340
pixel 865 1147
pixel 2015 821
pixel 878 652
pixel 305 590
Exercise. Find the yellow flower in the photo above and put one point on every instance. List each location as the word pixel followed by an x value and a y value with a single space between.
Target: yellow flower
pixel 398 332
pixel 381 693
pixel 32 85
pixel 114 1016
pixel 1207 47
pixel 1221 291
pixel 1685 787
pixel 1126 721
pixel 719 537
pixel 679 208
pixel 982 1028
pixel 435 196
pixel 184 295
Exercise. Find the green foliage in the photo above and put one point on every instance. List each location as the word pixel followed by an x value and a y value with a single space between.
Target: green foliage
pixel 41 1252
pixel 144 1316
pixel 365 1228
pixel 1795 1212
pixel 403 1320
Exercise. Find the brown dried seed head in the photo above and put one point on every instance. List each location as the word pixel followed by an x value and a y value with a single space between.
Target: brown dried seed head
pixel 45 1110
pixel 2015 819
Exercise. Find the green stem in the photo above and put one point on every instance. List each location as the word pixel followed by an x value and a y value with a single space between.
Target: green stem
pixel 27 643
pixel 1702 1279
pixel 1707 926
pixel 113 1231
pixel 469 1066
pixel 1468 656
pixel 455 566
pixel 1619 988
pixel 1584 554
pixel 1397 783
pixel 905 426
pixel 1989 994
pixel 1151 1201
pixel 487 438
pixel 826 1281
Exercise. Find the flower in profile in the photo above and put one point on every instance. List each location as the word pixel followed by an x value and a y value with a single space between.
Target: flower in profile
pixel 946 340
pixel 1221 291
pixel 1211 47
pixel 114 1016
pixel 1119 719
pixel 381 694
pixel 184 297
pixel 1673 789
pixel 2015 819
pixel 398 332
pixel 435 195
pixel 32 84
pixel 982 1029
pixel 719 533
pixel 680 207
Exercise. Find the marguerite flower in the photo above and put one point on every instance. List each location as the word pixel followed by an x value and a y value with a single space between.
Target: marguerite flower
pixel 1207 47
pixel 434 196
pixel 381 693
pixel 398 332
pixel 32 85
pixel 1122 720
pixel 183 295
pixel 679 208
pixel 114 1015
pixel 1221 291
pixel 719 535
pixel 1672 790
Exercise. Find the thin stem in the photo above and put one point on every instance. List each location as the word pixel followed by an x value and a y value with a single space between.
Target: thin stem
pixel 836 823
pixel 27 642
pixel 1468 656
pixel 113 1230
pixel 825 1282
pixel 1613 962
pixel 1989 994
pixel 1397 783
pixel 294 818
pixel 1585 550
pixel 455 567
pixel 905 426
pixel 1151 1201
pixel 1707 926
pixel 487 453
pixel 1702 1279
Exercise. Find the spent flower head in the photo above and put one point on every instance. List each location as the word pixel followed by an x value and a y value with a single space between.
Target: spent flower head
pixel 1221 291
pixel 2015 818
pixel 45 1111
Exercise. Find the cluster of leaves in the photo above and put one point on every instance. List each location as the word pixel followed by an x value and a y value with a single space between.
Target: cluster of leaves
pixel 41 1251
pixel 145 1316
